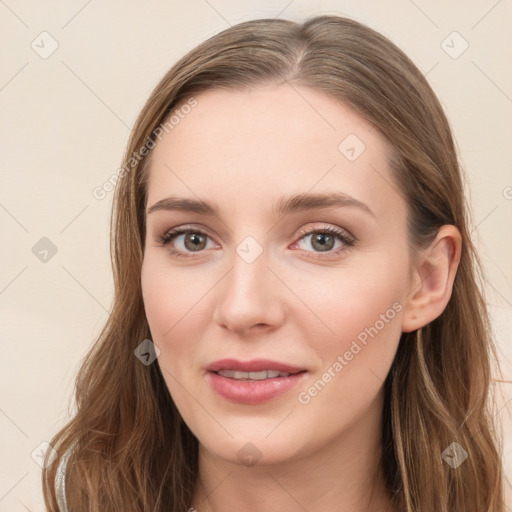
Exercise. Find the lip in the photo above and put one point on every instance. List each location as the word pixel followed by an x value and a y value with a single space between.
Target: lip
pixel 252 392
pixel 255 365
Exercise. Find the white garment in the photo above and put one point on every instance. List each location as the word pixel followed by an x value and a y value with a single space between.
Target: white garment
pixel 60 484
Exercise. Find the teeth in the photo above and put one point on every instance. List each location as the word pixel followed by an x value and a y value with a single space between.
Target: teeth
pixel 265 374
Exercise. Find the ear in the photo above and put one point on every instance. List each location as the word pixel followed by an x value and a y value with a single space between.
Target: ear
pixel 432 279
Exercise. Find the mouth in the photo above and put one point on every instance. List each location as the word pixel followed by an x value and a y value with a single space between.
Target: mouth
pixel 256 376
pixel 253 382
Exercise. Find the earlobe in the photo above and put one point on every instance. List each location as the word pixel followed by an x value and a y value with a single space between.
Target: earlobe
pixel 432 283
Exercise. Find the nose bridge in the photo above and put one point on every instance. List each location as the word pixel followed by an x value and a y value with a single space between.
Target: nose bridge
pixel 249 294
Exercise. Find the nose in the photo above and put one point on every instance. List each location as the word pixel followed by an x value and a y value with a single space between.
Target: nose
pixel 250 298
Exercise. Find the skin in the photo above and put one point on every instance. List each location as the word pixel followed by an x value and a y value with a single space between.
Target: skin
pixel 294 303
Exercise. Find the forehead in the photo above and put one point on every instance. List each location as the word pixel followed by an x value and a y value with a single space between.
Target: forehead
pixel 242 148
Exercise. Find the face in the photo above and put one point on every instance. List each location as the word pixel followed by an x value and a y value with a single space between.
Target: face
pixel 319 286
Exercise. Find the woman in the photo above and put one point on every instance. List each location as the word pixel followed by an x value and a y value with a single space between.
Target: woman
pixel 297 306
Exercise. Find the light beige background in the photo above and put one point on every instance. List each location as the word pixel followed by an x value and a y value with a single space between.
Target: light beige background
pixel 65 120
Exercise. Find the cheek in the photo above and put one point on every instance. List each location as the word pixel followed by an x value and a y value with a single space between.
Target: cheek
pixel 356 334
pixel 177 312
pixel 169 305
pixel 348 301
pixel 367 306
pixel 364 311
pixel 171 298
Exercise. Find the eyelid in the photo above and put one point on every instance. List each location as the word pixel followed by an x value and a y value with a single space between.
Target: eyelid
pixel 184 229
pixel 327 228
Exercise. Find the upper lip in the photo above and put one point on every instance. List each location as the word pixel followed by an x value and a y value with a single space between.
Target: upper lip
pixel 254 365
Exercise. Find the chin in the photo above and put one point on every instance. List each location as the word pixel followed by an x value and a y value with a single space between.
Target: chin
pixel 249 451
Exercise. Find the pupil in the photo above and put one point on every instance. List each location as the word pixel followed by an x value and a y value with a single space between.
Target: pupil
pixel 195 239
pixel 320 238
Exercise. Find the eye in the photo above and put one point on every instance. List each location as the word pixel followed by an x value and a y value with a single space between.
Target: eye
pixel 323 240
pixel 194 240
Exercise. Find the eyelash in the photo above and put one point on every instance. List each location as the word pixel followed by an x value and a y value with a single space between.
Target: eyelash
pixel 347 240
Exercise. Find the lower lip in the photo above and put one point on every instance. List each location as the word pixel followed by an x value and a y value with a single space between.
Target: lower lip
pixel 252 392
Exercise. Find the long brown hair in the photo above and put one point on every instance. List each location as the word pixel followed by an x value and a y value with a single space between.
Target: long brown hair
pixel 128 446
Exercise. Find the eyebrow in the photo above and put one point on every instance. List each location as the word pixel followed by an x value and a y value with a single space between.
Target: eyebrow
pixel 285 206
